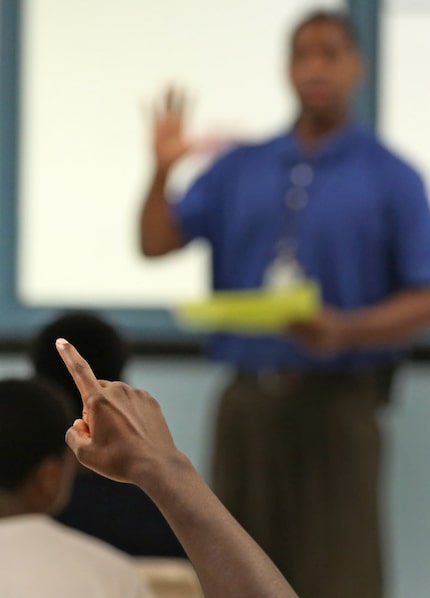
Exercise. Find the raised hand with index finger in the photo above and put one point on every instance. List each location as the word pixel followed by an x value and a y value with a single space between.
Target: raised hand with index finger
pixel 122 434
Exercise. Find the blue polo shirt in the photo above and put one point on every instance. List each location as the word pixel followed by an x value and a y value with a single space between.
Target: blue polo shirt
pixel 363 234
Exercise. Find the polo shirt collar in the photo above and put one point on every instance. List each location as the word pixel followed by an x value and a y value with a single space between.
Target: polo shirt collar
pixel 289 148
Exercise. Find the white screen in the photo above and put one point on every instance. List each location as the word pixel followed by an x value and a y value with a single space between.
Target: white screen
pixel 404 81
pixel 85 152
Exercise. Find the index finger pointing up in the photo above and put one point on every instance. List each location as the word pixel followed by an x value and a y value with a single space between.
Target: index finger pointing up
pixel 79 369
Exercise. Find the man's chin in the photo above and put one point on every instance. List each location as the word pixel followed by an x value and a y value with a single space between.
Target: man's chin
pixel 319 107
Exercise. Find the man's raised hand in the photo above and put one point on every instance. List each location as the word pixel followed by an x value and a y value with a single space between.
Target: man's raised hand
pixel 122 434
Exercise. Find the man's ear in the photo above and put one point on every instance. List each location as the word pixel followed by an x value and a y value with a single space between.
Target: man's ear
pixel 48 487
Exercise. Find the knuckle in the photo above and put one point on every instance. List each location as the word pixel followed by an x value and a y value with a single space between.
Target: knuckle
pixel 151 400
pixel 119 385
pixel 95 399
pixel 121 388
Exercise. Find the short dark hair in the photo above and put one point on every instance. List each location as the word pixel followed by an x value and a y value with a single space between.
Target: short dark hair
pixel 98 342
pixel 340 19
pixel 34 417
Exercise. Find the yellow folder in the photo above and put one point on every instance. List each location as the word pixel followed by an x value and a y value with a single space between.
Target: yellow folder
pixel 257 311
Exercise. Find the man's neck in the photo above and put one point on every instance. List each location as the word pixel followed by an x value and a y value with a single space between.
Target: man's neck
pixel 311 128
pixel 12 503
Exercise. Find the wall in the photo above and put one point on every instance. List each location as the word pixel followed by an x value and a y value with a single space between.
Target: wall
pixel 404 90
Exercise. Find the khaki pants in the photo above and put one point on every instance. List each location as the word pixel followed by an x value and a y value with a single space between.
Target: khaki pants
pixel 297 463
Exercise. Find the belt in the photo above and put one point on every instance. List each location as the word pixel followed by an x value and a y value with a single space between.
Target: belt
pixel 275 378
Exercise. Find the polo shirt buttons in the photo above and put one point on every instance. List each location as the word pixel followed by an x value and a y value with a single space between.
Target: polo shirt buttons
pixel 296 199
pixel 302 175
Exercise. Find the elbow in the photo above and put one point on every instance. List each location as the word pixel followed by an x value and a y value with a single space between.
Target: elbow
pixel 154 243
pixel 148 242
pixel 150 249
pixel 155 247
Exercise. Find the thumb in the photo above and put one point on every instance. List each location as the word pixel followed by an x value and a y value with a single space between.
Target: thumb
pixel 78 436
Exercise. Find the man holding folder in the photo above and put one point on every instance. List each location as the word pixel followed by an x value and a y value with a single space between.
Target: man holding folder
pixel 297 443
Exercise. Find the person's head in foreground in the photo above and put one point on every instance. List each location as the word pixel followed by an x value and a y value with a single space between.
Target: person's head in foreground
pixel 325 64
pixel 36 466
pixel 42 558
pixel 101 344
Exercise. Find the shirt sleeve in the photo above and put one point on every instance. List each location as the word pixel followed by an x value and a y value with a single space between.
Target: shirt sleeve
pixel 198 211
pixel 411 230
pixel 141 587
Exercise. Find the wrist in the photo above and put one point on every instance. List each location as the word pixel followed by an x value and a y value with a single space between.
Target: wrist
pixel 162 170
pixel 351 330
pixel 160 476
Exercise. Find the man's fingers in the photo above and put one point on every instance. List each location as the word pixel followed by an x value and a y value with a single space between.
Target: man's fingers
pixel 170 98
pixel 180 101
pixel 104 383
pixel 174 100
pixel 79 369
pixel 78 436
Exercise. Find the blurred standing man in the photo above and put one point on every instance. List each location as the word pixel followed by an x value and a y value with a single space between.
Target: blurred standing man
pixel 297 446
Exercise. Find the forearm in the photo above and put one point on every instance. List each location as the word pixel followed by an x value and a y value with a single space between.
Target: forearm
pixel 392 321
pixel 159 234
pixel 124 436
pixel 226 559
